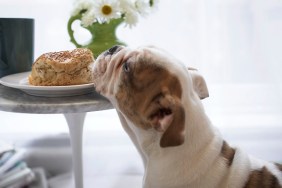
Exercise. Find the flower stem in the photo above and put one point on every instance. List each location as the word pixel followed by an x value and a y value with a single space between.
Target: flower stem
pixel 151 2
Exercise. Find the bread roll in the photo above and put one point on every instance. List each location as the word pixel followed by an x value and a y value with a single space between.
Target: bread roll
pixel 63 68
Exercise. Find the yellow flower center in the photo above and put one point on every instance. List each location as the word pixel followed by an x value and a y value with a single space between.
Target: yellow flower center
pixel 106 9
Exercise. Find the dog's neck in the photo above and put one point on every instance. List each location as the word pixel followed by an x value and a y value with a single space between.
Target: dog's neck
pixel 198 133
pixel 199 136
pixel 199 129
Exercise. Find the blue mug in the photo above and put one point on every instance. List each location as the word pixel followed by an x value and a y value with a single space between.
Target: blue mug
pixel 16 45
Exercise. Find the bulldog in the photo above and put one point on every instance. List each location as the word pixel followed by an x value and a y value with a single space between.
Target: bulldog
pixel 158 101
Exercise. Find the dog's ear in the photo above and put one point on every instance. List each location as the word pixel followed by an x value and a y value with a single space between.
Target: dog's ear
pixel 199 83
pixel 168 118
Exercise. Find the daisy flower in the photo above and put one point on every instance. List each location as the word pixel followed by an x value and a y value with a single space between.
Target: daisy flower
pixel 131 18
pixel 82 5
pixel 142 7
pixel 106 10
pixel 127 5
pixel 88 18
pixel 103 11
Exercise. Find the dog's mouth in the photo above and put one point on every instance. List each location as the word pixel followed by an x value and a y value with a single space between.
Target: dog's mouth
pixel 104 67
pixel 104 58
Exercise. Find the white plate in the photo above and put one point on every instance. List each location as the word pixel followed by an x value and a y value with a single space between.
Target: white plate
pixel 20 81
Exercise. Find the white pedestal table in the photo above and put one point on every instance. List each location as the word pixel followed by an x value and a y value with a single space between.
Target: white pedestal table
pixel 74 109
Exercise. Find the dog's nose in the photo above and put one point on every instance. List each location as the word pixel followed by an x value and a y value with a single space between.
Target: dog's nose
pixel 113 49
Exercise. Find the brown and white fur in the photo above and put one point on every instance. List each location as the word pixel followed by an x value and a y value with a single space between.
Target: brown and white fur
pixel 159 104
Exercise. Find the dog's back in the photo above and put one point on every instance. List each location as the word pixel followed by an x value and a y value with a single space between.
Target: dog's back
pixel 264 175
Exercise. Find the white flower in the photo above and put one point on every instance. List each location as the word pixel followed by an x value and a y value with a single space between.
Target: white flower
pixel 142 7
pixel 130 13
pixel 102 11
pixel 106 10
pixel 88 18
pixel 131 18
pixel 127 6
pixel 81 5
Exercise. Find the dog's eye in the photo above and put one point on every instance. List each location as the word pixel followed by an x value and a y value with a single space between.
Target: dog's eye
pixel 126 67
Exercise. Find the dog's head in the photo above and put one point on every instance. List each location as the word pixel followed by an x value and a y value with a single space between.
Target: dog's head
pixel 147 86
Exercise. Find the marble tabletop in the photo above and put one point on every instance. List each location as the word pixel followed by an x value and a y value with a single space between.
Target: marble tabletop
pixel 14 100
